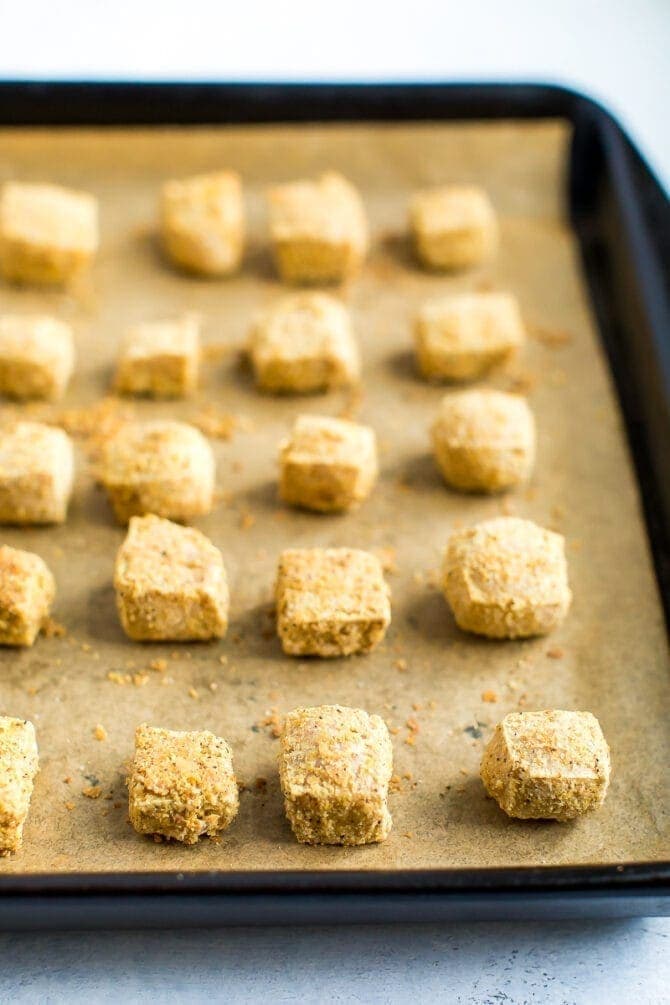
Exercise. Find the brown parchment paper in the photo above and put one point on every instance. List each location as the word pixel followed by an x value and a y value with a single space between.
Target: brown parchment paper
pixel 428 679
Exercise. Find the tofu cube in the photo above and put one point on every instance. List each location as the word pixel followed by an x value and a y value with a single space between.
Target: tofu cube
pixel 27 591
pixel 318 229
pixel 160 467
pixel 327 465
pixel 170 583
pixel 464 335
pixel 550 765
pixel 335 765
pixel 36 356
pixel 36 474
pixel 331 602
pixel 484 441
pixel 160 359
pixel 453 227
pixel 48 234
pixel 181 785
pixel 507 578
pixel 18 767
pixel 203 223
pixel 303 344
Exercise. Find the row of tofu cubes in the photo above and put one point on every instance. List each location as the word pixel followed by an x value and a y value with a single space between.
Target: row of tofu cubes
pixel 335 765
pixel 303 343
pixel 318 228
pixel 502 578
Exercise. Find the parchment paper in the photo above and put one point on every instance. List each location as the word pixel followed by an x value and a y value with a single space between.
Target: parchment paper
pixel 610 656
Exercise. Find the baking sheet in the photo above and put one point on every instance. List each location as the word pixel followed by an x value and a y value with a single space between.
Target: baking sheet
pixel 440 691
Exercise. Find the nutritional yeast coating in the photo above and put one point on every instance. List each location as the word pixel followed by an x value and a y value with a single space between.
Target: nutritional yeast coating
pixel 328 465
pixel 331 601
pixel 170 583
pixel 161 467
pixel 36 474
pixel 453 226
pixel 484 440
pixel 203 223
pixel 547 765
pixel 36 356
pixel 506 578
pixel 18 767
pixel 335 764
pixel 160 359
pixel 181 784
pixel 318 229
pixel 27 591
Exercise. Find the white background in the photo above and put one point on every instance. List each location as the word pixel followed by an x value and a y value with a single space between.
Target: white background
pixel 619 52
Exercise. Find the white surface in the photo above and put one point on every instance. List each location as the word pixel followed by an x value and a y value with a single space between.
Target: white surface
pixel 617 50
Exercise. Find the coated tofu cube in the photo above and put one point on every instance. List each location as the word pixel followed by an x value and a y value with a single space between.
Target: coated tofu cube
pixel 507 578
pixel 331 602
pixel 18 767
pixel 328 465
pixel 48 234
pixel 170 583
pixel 160 359
pixel 453 227
pixel 36 474
pixel 304 344
pixel 181 784
pixel 463 335
pixel 318 229
pixel 36 356
pixel 160 467
pixel 203 224
pixel 550 765
pixel 335 765
pixel 484 441
pixel 27 591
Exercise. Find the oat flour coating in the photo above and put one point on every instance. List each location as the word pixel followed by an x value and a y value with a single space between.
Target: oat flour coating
pixel 36 356
pixel 203 223
pixel 18 767
pixel 36 474
pixel 27 591
pixel 160 359
pixel 453 227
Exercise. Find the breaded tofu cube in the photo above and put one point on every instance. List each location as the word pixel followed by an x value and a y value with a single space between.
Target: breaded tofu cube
pixel 335 765
pixel 27 591
pixel 327 465
pixel 170 583
pixel 160 359
pixel 463 335
pixel 181 784
pixel 203 223
pixel 507 578
pixel 484 440
pixel 36 474
pixel 18 767
pixel 318 229
pixel 331 601
pixel 453 226
pixel 48 234
pixel 550 765
pixel 36 356
pixel 303 344
pixel 161 467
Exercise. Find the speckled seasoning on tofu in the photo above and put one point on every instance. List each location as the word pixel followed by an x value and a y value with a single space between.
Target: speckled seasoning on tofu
pixel 160 359
pixel 181 785
pixel 547 765
pixel 18 767
pixel 27 591
pixel 36 356
pixel 453 226
pixel 335 765
pixel 36 474
pixel 203 222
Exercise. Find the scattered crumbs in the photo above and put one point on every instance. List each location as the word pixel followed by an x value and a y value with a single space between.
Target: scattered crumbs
pixel 352 403
pixel 117 804
pixel 408 834
pixel 67 779
pixel 53 629
pixel 92 791
pixel 247 520
pixel 558 512
pixel 417 706
pixel 522 382
pixel 475 731
pixel 192 693
pixel 523 700
pixel 158 665
pixel 213 686
pixel 140 679
pixel 69 806
pixel 555 653
pixel 261 784
pixel 272 721
pixel 401 665
pixel 219 425
pixel 489 696
pixel 432 704
pixel 395 783
pixel 32 690
pixel 513 684
pixel 387 558
pixel 394 730
pixel 100 733
pixel 95 423
pixel 175 654
pixel 553 338
pixel 86 647
pixel 119 678
pixel 575 544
